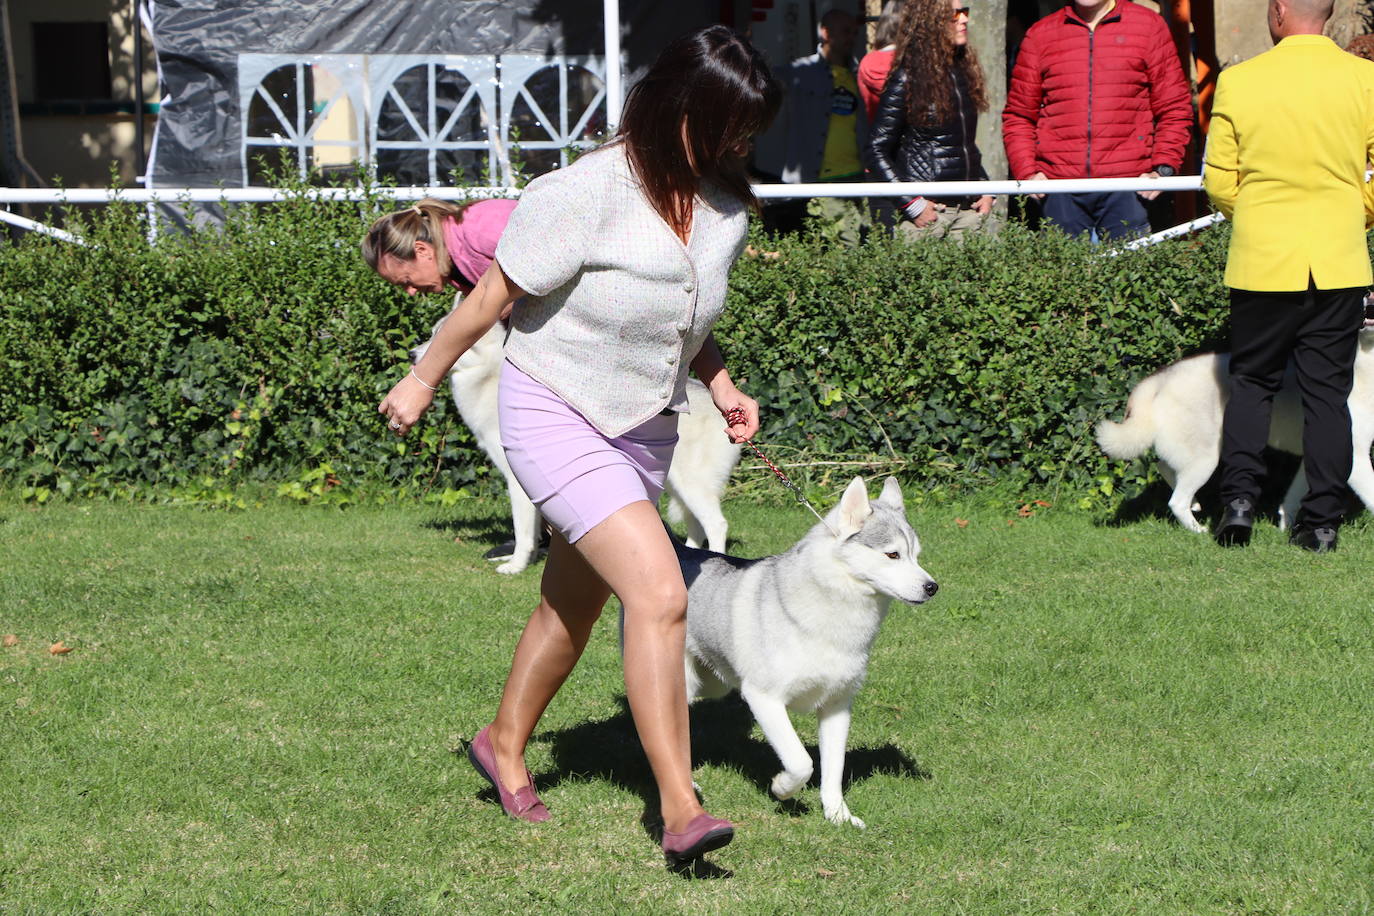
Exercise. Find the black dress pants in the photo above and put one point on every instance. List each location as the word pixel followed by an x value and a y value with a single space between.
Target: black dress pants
pixel 1317 328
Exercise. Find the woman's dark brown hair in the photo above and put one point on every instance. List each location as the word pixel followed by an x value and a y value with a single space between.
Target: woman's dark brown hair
pixel 927 52
pixel 718 85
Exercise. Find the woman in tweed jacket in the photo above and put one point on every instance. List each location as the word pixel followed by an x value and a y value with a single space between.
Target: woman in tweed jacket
pixel 620 262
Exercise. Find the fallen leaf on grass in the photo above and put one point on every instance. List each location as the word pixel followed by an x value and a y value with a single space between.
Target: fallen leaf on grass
pixel 1025 511
pixel 59 648
pixel 1042 504
pixel 824 873
pixel 961 522
pixel 10 640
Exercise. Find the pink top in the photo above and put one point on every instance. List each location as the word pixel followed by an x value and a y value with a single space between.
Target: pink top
pixel 471 241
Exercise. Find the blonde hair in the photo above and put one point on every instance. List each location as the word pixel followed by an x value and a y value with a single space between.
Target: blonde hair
pixel 396 233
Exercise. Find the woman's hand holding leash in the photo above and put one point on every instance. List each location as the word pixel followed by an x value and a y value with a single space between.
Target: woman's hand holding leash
pixel 741 413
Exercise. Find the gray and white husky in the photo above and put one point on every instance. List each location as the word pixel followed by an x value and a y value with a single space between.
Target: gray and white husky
pixel 794 631
pixel 702 461
pixel 1178 411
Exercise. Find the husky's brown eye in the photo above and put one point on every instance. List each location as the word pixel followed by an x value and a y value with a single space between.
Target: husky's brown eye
pixel 894 555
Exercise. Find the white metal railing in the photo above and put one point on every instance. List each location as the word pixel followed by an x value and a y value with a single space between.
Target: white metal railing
pixel 11 196
pixel 766 191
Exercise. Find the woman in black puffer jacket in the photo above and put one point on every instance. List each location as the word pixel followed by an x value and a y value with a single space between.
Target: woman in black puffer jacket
pixel 927 119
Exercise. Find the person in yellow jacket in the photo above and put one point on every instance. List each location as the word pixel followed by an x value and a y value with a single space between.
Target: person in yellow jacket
pixel 1291 135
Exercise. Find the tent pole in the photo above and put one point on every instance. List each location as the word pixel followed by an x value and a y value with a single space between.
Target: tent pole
pixel 614 91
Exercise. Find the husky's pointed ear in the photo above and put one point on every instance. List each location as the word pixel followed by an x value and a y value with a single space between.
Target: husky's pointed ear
pixel 853 508
pixel 892 494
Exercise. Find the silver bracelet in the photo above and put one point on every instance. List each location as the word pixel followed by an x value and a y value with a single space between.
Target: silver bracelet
pixel 423 382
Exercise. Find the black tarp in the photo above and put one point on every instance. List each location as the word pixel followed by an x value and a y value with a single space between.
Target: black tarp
pixel 198 42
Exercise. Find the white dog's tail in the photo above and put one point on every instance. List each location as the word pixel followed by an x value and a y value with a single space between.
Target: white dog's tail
pixel 1134 435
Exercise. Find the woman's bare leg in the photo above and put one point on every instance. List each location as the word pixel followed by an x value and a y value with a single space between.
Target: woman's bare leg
pixel 631 553
pixel 571 598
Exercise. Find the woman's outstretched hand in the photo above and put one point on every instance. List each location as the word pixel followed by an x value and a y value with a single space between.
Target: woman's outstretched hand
pixel 405 403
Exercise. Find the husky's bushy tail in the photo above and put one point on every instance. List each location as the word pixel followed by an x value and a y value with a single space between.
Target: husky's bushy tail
pixel 1134 435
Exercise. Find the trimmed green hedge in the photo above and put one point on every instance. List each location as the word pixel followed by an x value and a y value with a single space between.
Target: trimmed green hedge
pixel 258 353
pixel 968 364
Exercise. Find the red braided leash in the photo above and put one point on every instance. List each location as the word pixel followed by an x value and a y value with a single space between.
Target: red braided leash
pixel 735 416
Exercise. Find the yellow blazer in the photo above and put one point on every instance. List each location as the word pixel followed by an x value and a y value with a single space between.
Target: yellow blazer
pixel 1292 130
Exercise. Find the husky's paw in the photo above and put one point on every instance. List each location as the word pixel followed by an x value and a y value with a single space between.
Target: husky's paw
pixel 839 814
pixel 513 566
pixel 786 784
pixel 1187 519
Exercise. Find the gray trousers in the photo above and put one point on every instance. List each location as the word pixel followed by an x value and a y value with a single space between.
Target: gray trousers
pixel 951 222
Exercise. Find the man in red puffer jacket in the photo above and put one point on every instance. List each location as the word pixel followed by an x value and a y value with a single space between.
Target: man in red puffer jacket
pixel 1097 92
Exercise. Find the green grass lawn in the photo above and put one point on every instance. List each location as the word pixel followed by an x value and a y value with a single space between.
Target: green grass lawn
pixel 261 712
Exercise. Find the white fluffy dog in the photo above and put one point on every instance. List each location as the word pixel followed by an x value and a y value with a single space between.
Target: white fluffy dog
pixel 1178 411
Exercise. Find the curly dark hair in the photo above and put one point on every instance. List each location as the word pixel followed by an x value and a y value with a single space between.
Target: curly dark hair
pixel 1362 46
pixel 927 52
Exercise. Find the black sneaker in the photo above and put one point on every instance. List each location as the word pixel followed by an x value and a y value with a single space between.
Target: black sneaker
pixel 1236 523
pixel 1318 540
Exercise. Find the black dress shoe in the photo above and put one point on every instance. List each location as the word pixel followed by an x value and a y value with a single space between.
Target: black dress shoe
pixel 1317 540
pixel 503 551
pixel 1236 524
pixel 506 550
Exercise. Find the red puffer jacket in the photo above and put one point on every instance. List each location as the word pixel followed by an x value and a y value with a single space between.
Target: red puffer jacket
pixel 1105 103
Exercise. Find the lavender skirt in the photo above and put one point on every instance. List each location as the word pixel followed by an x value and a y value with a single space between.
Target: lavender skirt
pixel 576 475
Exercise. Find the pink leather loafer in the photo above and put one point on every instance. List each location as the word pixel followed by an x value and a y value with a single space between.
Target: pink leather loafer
pixel 521 804
pixel 702 835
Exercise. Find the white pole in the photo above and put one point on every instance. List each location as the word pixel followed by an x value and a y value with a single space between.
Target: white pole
pixel 1202 222
pixel 614 90
pixel 966 188
pixel 830 189
pixel 14 219
pixel 238 195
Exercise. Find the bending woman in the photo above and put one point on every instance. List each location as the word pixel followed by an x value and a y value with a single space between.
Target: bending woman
pixel 927 118
pixel 621 260
pixel 436 244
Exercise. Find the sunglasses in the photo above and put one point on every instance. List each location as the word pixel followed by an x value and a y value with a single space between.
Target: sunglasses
pixel 961 11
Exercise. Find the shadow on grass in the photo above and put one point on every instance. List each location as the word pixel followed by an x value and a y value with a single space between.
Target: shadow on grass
pixel 609 749
pixel 1153 501
pixel 484 530
pixel 1150 503
pixel 489 530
